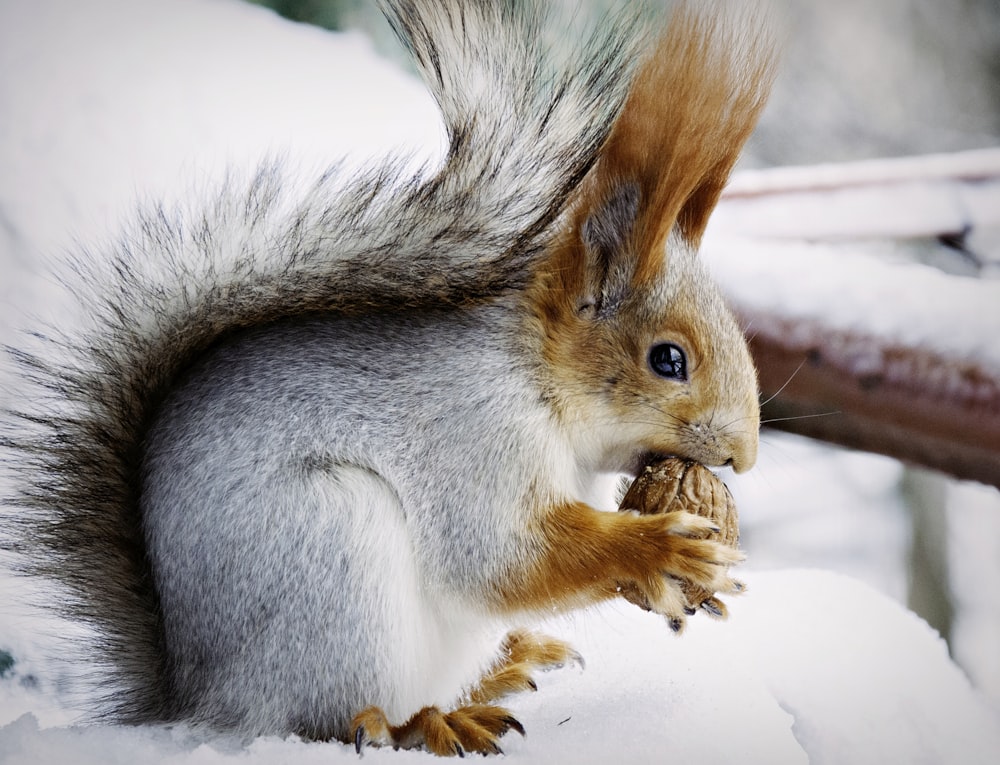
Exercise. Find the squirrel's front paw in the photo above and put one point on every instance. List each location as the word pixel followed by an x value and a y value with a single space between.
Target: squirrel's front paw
pixel 686 565
pixel 694 503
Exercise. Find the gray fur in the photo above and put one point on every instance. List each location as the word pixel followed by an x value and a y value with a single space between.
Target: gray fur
pixel 174 467
pixel 314 543
pixel 606 235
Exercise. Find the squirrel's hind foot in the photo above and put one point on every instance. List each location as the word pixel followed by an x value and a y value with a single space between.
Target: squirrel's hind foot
pixel 471 728
pixel 520 653
pixel 477 726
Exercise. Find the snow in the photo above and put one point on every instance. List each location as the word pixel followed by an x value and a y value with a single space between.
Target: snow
pixel 803 505
pixel 901 197
pixel 119 98
pixel 919 206
pixel 849 288
pixel 811 667
pixel 150 99
pixel 974 565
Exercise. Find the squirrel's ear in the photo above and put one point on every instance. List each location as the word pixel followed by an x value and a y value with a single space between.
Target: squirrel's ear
pixel 609 262
pixel 691 108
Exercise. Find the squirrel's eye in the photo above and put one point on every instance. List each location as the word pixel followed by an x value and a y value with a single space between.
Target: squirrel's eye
pixel 668 361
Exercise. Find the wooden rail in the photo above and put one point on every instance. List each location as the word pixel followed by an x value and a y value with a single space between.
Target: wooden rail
pixel 855 348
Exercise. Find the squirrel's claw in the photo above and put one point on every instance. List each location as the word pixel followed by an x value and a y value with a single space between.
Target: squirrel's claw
pixel 370 727
pixel 714 607
pixel 514 724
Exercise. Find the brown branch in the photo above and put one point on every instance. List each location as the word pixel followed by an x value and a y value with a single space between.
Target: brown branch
pixel 855 390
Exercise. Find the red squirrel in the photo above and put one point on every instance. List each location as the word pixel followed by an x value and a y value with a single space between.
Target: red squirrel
pixel 314 449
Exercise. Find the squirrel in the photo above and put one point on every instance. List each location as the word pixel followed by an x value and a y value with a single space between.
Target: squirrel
pixel 311 451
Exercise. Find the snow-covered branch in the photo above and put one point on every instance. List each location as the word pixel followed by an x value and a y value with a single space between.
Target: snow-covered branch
pixel 934 195
pixel 867 392
pixel 856 343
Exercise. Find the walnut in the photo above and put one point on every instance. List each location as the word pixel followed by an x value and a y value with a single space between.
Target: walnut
pixel 669 484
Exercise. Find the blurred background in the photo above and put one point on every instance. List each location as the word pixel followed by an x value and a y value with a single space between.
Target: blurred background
pixel 858 78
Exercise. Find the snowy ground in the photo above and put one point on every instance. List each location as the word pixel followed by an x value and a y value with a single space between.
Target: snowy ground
pixel 118 98
pixel 812 667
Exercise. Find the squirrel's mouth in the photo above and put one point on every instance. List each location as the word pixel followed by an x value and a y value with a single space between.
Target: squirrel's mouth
pixel 643 458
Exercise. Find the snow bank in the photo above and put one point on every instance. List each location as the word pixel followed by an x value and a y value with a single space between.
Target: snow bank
pixel 114 98
pixel 811 667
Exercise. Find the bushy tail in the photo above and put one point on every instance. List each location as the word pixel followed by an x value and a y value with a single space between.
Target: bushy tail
pixel 523 132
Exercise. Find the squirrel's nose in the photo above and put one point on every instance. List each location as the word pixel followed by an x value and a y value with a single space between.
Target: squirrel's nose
pixel 744 453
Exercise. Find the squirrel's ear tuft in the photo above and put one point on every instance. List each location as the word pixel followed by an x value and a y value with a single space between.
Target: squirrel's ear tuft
pixel 692 105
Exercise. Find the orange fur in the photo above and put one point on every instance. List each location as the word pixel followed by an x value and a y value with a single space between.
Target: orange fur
pixel 476 725
pixel 471 728
pixel 520 653
pixel 583 556
pixel 689 112
pixel 598 302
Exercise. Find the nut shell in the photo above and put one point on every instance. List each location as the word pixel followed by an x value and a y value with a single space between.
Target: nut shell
pixel 670 484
